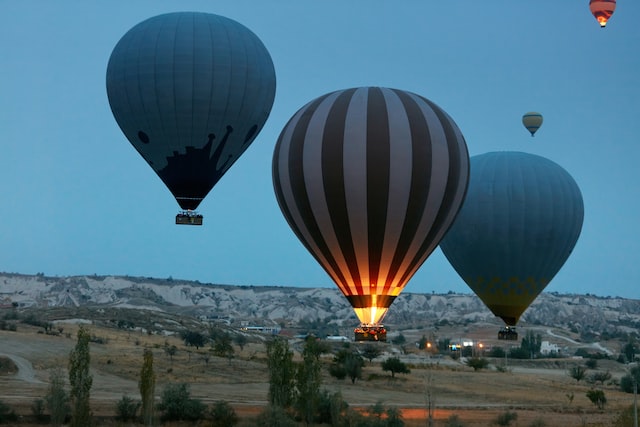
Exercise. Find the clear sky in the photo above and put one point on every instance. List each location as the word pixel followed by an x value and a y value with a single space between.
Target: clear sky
pixel 78 199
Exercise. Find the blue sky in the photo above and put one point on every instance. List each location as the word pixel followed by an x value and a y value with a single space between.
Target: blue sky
pixel 78 199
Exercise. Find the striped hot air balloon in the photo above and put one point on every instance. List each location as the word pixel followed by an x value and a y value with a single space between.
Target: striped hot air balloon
pixel 602 10
pixel 518 225
pixel 370 179
pixel 532 121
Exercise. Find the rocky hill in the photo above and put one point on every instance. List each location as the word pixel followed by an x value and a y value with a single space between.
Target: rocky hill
pixel 291 306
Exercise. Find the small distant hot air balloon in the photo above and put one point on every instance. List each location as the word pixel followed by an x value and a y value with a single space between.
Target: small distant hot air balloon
pixel 370 179
pixel 532 121
pixel 519 223
pixel 190 91
pixel 602 10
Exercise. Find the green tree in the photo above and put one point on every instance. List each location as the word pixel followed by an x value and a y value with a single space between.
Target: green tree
pixel 577 372
pixel 371 351
pixel 222 346
pixel 454 421
pixel 281 372
pixel 147 387
pixel 353 366
pixel 194 338
pixel 506 418
pixel 531 344
pixel 477 363
pixel 57 398
pixel 601 377
pixel 126 409
pixel 629 350
pixel 395 365
pixel 308 381
pixel 627 381
pixel 597 397
pixel 177 404
pixel 240 340
pixel 223 415
pixel 80 380
pixel 6 413
pixel 170 350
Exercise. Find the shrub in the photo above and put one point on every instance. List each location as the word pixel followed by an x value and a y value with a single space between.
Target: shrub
pixel 453 421
pixel 223 415
pixel 597 397
pixel 177 404
pixel 538 422
pixel 37 409
pixel 126 409
pixel 6 413
pixel 506 418
pixel 477 363
pixel 274 416
pixel 577 372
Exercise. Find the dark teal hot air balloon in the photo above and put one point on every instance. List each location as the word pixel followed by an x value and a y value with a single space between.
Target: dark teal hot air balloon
pixel 517 226
pixel 190 91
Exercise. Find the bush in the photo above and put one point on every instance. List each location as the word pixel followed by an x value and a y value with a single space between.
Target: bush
pixel 6 413
pixel 223 415
pixel 506 418
pixel 577 372
pixel 477 363
pixel 37 409
pixel 274 416
pixel 538 422
pixel 597 397
pixel 177 404
pixel 126 409
pixel 453 421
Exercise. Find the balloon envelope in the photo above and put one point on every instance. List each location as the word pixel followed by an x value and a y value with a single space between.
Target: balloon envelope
pixel 190 91
pixel 602 10
pixel 518 225
pixel 532 121
pixel 369 179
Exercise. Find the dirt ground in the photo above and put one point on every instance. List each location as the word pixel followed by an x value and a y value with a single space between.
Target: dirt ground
pixel 539 391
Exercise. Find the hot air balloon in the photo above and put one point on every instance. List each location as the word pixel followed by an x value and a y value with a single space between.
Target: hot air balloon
pixel 521 219
pixel 532 121
pixel 370 179
pixel 190 91
pixel 602 10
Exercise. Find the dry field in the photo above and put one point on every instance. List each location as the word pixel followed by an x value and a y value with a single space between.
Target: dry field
pixel 539 390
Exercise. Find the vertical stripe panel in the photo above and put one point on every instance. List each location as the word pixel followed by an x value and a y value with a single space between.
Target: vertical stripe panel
pixel 335 220
pixel 355 172
pixel 400 175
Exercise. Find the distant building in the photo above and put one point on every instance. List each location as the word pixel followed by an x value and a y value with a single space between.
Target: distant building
pixel 547 348
pixel 273 330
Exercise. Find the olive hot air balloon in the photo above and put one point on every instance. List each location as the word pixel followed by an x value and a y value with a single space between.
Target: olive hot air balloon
pixel 370 179
pixel 602 10
pixel 532 121
pixel 190 91
pixel 521 219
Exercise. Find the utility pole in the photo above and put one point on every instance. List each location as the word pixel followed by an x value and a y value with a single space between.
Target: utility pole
pixel 635 402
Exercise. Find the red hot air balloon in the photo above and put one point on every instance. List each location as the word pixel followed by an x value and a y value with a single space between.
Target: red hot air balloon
pixel 370 179
pixel 190 91
pixel 602 10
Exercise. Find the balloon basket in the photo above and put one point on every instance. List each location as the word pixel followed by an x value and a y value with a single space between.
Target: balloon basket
pixel 508 333
pixel 370 333
pixel 189 218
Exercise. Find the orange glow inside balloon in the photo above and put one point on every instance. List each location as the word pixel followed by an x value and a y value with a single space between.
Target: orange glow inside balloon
pixel 602 10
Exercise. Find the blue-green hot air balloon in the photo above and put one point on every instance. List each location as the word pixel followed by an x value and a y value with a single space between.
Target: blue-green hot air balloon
pixel 190 91
pixel 519 222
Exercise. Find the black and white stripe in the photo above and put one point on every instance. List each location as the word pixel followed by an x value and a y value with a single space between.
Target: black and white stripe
pixel 370 179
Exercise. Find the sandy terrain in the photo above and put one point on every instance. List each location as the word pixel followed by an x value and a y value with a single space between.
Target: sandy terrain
pixel 535 390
